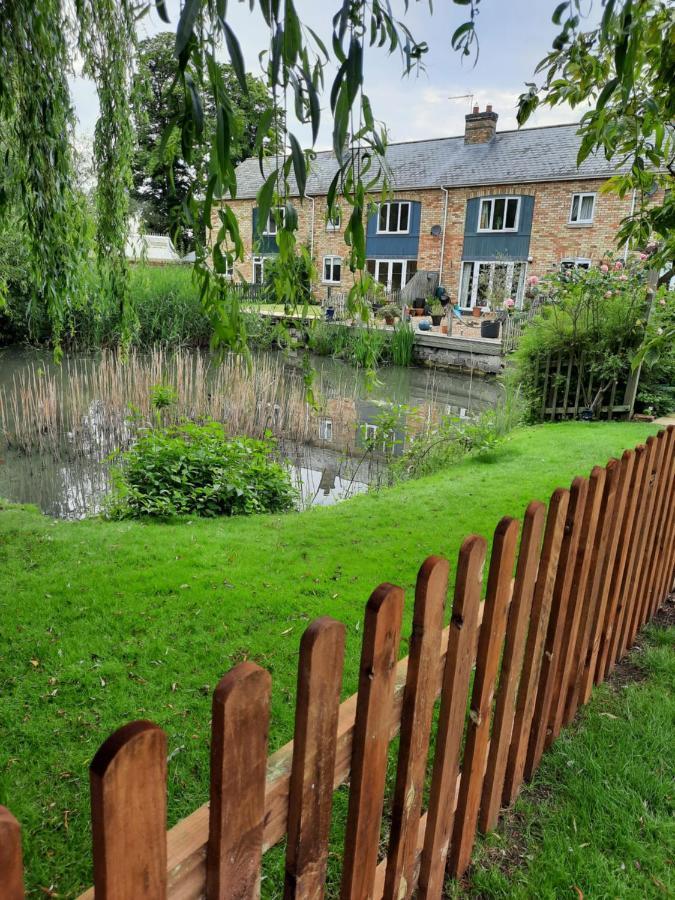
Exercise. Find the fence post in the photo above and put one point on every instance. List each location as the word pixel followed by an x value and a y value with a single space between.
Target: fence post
pixel 240 722
pixel 534 648
pixel 418 706
pixel 314 744
pixel 11 864
pixel 454 691
pixel 377 675
pixel 490 641
pixel 512 661
pixel 128 814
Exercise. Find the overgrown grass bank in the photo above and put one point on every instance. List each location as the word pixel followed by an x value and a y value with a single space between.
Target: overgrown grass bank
pixel 102 622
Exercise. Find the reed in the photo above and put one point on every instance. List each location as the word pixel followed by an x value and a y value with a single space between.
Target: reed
pixel 95 406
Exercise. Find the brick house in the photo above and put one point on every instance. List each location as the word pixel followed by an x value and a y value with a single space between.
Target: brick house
pixel 480 211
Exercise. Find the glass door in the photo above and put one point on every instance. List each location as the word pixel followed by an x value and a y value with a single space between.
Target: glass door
pixel 392 274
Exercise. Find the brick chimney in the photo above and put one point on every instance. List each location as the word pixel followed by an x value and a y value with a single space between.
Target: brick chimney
pixel 480 127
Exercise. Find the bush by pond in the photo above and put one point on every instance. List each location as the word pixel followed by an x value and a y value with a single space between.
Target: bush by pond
pixel 198 470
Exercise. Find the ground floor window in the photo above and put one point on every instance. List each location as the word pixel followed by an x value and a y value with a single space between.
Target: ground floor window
pixel 488 284
pixel 258 270
pixel 576 262
pixel 332 269
pixel 326 429
pixel 392 274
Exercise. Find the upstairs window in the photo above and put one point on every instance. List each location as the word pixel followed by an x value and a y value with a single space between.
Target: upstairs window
pixel 394 218
pixel 499 214
pixel 583 207
pixel 275 221
pixel 332 269
pixel 333 222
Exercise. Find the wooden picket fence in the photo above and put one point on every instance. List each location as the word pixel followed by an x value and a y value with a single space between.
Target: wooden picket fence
pixel 590 571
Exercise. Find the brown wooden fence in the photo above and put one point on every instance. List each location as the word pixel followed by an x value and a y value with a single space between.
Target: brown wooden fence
pixel 589 572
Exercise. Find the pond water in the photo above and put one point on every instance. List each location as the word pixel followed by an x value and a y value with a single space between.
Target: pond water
pixel 58 425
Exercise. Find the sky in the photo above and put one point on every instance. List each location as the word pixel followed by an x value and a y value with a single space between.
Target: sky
pixel 514 35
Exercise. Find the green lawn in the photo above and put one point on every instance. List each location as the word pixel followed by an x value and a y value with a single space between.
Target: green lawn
pixel 102 622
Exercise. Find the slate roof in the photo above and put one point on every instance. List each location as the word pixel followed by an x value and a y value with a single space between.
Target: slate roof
pixel 528 155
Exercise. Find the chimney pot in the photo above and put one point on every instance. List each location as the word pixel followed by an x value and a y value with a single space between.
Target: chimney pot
pixel 488 108
pixel 476 110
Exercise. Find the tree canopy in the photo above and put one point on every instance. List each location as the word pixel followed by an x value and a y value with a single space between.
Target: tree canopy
pixel 161 178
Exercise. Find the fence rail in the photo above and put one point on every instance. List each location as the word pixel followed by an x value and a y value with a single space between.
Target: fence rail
pixel 590 571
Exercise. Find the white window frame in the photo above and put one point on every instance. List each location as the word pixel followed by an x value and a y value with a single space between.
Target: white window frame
pixel 259 261
pixel 581 195
pixel 326 429
pixel 490 229
pixel 388 205
pixel 332 260
pixel 575 262
pixel 334 223
pixel 518 294
pixel 271 229
pixel 388 263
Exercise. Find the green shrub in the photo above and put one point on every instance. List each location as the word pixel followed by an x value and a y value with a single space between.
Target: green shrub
pixel 197 470
pixel 594 318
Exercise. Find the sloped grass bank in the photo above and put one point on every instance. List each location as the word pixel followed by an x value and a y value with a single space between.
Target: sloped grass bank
pixel 105 622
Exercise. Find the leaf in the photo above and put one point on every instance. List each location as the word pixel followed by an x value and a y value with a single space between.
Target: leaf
pixel 556 18
pixel 299 164
pixel 160 6
pixel 223 138
pixel 459 32
pixel 236 57
pixel 186 24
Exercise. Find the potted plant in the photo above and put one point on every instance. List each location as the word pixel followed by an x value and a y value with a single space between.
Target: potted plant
pixel 437 312
pixel 389 313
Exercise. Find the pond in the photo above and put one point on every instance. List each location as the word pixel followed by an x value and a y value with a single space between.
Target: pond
pixel 58 425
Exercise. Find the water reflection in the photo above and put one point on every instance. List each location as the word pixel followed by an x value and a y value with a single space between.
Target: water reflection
pixel 330 464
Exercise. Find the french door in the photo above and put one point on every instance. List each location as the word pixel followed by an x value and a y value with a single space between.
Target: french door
pixel 393 274
pixel 488 284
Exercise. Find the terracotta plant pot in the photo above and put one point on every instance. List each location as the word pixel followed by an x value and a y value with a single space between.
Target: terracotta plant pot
pixel 444 329
pixel 389 320
pixel 476 312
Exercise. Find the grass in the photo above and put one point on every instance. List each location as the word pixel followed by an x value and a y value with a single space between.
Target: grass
pixel 101 623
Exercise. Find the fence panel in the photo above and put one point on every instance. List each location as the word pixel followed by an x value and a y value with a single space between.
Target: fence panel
pixel 381 634
pixel 456 675
pixel 310 798
pixel 128 814
pixel 490 643
pixel 416 716
pixel 11 865
pixel 237 798
pixel 606 564
pixel 512 662
pixel 561 594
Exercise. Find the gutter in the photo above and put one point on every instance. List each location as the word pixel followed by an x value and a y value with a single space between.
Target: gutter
pixel 445 221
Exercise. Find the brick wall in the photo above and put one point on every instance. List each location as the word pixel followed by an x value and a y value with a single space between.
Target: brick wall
pixel 553 238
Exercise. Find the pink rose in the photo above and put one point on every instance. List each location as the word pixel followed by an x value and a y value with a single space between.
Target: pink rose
pixel 533 280
pixel 662 302
pixel 623 277
pixel 618 264
pixel 509 303
pixel 608 295
pixel 604 268
pixel 643 256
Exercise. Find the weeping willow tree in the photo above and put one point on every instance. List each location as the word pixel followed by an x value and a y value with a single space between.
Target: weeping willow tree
pixel 38 41
pixel 633 47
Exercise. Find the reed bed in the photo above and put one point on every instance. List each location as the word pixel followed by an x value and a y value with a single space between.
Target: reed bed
pixel 90 406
